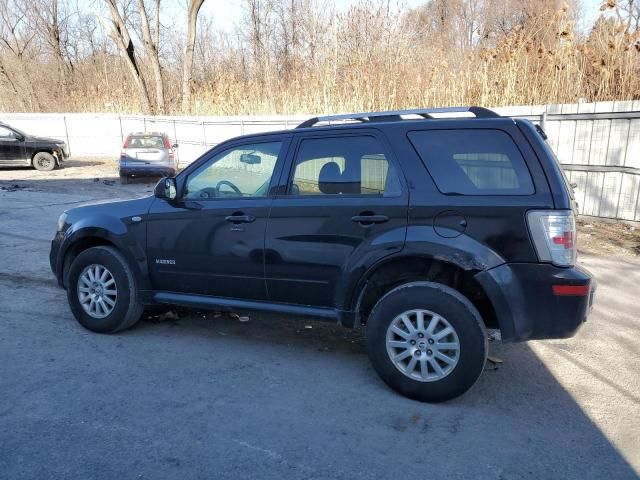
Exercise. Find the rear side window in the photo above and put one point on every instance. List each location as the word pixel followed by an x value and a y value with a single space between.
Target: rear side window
pixel 353 165
pixel 473 162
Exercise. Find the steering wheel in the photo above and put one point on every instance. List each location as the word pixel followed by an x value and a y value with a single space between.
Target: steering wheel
pixel 228 184
pixel 207 192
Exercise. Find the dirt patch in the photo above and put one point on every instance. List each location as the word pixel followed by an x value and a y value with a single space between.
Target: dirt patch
pixel 97 176
pixel 608 237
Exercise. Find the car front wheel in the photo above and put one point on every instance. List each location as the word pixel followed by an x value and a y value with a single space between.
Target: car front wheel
pixel 44 161
pixel 427 341
pixel 102 292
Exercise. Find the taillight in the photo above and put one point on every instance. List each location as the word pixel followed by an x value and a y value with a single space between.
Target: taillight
pixel 167 145
pixel 123 153
pixel 554 236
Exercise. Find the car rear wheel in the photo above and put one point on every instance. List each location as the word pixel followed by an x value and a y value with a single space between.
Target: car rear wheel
pixel 427 341
pixel 44 161
pixel 102 291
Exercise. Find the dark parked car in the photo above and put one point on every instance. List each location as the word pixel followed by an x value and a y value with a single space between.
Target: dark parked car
pixel 147 154
pixel 427 230
pixel 19 149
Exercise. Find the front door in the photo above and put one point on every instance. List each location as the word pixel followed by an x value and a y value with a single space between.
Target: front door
pixel 11 148
pixel 211 240
pixel 345 199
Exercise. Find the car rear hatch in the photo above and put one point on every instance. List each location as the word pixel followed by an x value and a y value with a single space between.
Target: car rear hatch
pixel 146 150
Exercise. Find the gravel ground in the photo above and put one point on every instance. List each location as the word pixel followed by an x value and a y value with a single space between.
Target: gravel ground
pixel 195 395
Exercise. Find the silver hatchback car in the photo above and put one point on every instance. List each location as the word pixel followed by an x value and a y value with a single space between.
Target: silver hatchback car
pixel 147 154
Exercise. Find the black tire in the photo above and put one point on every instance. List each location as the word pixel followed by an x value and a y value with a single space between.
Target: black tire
pixel 124 179
pixel 128 308
pixel 43 161
pixel 458 311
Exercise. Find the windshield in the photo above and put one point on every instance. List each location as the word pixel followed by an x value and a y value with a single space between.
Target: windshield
pixel 17 130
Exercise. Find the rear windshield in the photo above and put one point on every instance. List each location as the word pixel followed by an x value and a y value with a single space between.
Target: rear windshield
pixel 146 141
pixel 473 162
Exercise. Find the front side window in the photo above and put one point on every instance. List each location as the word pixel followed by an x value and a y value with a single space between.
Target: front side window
pixel 243 171
pixel 7 134
pixel 473 162
pixel 353 165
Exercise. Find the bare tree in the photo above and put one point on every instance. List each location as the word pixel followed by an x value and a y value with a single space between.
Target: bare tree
pixel 119 33
pixel 16 38
pixel 187 67
pixel 152 48
pixel 46 19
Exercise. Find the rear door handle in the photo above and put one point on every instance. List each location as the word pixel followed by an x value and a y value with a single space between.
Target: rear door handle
pixel 240 218
pixel 369 219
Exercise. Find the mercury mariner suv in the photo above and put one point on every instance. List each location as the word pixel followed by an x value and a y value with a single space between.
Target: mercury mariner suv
pixel 429 227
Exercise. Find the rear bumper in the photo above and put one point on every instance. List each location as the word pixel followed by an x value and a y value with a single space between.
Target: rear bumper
pixel 538 301
pixel 148 170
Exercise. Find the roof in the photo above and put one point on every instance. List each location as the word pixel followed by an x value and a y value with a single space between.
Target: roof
pixel 398 115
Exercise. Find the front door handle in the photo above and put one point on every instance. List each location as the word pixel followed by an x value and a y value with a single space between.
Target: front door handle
pixel 369 219
pixel 240 218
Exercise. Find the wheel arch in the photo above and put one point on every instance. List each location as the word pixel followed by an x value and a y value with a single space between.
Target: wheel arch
pixel 391 272
pixel 84 239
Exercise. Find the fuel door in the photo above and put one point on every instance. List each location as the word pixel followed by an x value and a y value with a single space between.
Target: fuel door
pixel 450 224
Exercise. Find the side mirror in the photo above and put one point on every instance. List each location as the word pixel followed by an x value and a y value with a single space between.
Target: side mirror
pixel 250 159
pixel 175 145
pixel 166 189
pixel 18 137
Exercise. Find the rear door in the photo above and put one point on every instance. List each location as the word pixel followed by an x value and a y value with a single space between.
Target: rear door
pixel 344 199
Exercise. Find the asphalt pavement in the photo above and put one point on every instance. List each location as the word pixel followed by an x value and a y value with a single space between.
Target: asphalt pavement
pixel 195 395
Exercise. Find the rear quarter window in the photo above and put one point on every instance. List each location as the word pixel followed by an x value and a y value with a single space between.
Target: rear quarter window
pixel 473 161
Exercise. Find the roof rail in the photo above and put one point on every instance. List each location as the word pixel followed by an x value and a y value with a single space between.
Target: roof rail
pixel 479 112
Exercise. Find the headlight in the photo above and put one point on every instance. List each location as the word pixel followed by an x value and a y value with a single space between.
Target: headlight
pixel 61 222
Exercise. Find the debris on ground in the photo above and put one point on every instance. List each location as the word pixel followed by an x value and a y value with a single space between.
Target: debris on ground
pixel 240 317
pixel 109 182
pixel 11 188
pixel 168 316
pixel 493 363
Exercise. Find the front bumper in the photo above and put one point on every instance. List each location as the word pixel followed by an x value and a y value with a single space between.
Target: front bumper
pixel 538 301
pixel 56 267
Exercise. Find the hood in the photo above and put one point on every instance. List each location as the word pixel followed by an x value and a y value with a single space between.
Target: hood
pixel 117 209
pixel 34 139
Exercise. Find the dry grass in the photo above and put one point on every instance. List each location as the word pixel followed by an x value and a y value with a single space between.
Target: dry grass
pixel 369 58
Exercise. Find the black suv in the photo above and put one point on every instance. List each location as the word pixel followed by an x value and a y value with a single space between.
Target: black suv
pixel 19 149
pixel 428 230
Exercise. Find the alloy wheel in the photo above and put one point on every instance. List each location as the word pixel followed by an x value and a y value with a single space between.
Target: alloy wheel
pixel 423 345
pixel 97 291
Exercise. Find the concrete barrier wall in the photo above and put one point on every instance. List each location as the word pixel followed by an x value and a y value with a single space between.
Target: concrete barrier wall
pixel 598 144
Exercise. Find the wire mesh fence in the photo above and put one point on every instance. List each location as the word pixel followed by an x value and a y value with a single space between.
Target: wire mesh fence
pixel 598 144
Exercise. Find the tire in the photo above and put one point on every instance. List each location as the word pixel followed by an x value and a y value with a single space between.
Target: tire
pixel 43 161
pixel 126 309
pixel 447 308
pixel 124 179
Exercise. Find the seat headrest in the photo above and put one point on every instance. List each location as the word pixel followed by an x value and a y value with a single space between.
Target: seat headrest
pixel 330 178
